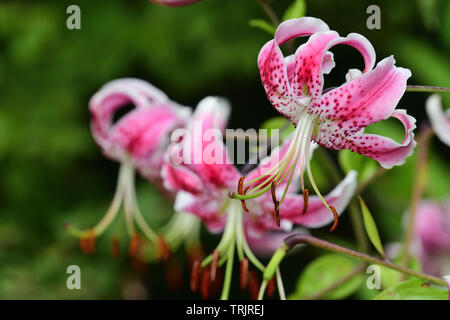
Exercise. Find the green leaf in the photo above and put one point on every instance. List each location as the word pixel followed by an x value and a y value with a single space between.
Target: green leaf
pixel 263 25
pixel 391 277
pixel 371 227
pixel 296 10
pixel 325 271
pixel 414 289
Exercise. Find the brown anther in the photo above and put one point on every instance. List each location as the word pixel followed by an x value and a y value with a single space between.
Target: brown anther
pixel 336 219
pixel 87 242
pixel 242 191
pixel 115 247
pixel 133 247
pixel 253 285
pixel 276 203
pixel 270 287
pixel 217 284
pixel 163 250
pixel 244 274
pixel 214 262
pixel 305 200
pixel 195 275
pixel 205 283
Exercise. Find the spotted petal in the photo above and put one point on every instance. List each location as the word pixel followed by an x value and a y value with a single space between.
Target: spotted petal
pixel 272 67
pixel 386 151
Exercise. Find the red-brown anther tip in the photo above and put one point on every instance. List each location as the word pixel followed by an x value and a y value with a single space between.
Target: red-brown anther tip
pixel 87 242
pixel 231 195
pixel 270 287
pixel 276 203
pixel 305 200
pixel 205 283
pixel 336 219
pixel 244 274
pixel 133 247
pixel 214 262
pixel 115 247
pixel 253 285
pixel 163 250
pixel 195 275
pixel 242 191
pixel 240 184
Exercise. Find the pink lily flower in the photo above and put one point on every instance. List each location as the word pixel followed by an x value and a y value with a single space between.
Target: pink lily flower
pixel 174 3
pixel 137 141
pixel 204 188
pixel 439 119
pixel 333 118
pixel 432 237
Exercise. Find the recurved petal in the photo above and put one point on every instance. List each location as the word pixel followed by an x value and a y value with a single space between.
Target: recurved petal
pixel 274 78
pixel 439 119
pixel 300 27
pixel 144 131
pixel 385 150
pixel 367 98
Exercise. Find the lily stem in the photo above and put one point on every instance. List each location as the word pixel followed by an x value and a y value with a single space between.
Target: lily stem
pixel 296 239
pixel 411 88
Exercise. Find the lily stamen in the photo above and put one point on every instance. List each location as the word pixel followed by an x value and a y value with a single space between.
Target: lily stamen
pixel 305 200
pixel 336 219
pixel 276 203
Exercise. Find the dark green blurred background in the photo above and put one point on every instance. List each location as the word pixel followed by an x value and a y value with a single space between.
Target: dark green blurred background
pixel 52 171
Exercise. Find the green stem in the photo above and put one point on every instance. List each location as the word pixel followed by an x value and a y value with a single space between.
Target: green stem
pixel 410 88
pixel 228 273
pixel 295 239
pixel 262 289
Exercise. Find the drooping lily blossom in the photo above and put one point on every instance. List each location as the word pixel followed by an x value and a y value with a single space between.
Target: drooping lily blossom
pixel 439 119
pixel 174 3
pixel 333 118
pixel 432 237
pixel 198 166
pixel 137 140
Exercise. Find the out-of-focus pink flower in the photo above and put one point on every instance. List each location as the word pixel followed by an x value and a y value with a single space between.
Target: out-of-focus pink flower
pixel 334 118
pixel 432 237
pixel 204 186
pixel 137 140
pixel 174 3
pixel 439 119
pixel 141 135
